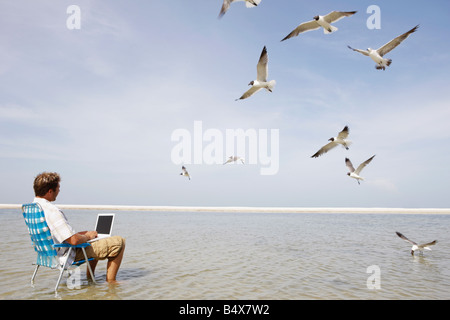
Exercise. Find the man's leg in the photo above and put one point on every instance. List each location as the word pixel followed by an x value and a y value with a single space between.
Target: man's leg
pixel 113 266
pixel 111 248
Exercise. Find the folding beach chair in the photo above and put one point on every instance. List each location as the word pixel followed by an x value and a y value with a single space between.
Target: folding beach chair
pixel 43 243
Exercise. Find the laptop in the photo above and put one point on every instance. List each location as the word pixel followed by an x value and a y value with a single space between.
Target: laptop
pixel 103 226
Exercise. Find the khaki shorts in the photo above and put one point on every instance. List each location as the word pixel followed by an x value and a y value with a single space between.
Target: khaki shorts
pixel 103 249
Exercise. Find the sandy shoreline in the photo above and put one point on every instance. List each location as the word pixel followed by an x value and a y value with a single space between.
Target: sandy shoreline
pixel 245 209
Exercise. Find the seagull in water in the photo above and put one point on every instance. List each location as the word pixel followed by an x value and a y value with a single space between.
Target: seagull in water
pixel 226 5
pixel 355 173
pixel 377 55
pixel 340 139
pixel 234 159
pixel 184 172
pixel 415 246
pixel 261 77
pixel 320 21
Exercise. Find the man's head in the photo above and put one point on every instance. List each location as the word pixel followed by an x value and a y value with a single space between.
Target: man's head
pixel 46 185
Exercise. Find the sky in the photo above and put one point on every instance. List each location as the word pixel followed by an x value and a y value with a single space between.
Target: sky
pixel 104 94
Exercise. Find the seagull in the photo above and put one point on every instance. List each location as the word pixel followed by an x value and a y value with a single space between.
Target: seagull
pixel 185 173
pixel 340 139
pixel 261 77
pixel 234 159
pixel 416 246
pixel 377 55
pixel 320 21
pixel 355 173
pixel 226 5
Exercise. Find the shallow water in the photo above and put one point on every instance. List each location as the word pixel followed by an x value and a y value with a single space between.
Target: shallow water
pixel 288 256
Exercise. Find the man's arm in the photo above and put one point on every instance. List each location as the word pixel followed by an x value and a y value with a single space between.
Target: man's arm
pixel 81 237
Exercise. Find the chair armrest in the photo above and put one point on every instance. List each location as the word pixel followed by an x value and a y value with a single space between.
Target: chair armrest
pixel 67 245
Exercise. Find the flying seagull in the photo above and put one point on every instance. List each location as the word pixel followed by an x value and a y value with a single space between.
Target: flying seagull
pixel 184 172
pixel 415 246
pixel 320 21
pixel 261 77
pixel 234 159
pixel 226 5
pixel 355 173
pixel 377 55
pixel 340 139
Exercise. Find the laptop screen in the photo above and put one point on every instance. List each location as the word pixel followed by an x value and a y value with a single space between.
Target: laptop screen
pixel 104 223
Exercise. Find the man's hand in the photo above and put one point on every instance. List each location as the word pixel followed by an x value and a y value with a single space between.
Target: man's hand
pixel 91 234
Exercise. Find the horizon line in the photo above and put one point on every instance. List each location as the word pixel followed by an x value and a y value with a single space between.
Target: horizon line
pixel 247 209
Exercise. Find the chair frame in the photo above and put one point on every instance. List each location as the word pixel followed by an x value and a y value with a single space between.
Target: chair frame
pixel 48 257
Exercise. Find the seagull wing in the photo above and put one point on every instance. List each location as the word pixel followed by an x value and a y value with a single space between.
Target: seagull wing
pixel 344 133
pixel 362 165
pixel 337 15
pixel 324 149
pixel 225 7
pixel 249 93
pixel 395 42
pixel 262 68
pixel 186 173
pixel 306 26
pixel 405 238
pixel 428 244
pixel 229 160
pixel 349 164
pixel 252 3
pixel 364 52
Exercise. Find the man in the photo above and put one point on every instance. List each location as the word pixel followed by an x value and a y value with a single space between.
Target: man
pixel 46 188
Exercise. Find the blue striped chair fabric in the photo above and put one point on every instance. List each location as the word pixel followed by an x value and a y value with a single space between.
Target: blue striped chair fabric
pixel 42 240
pixel 41 237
